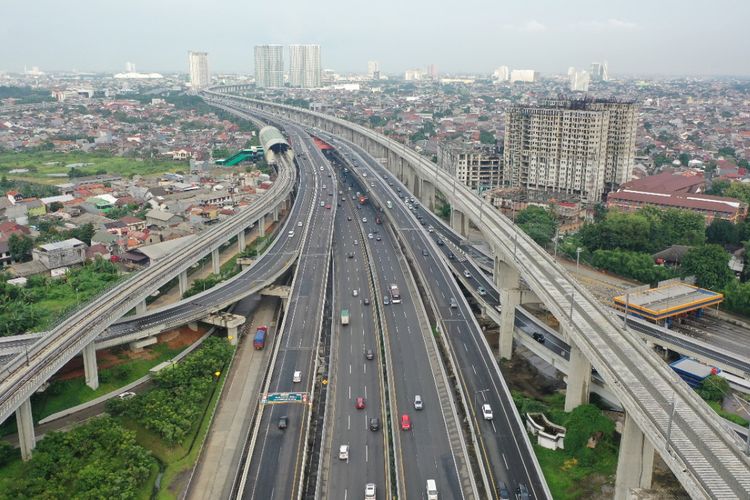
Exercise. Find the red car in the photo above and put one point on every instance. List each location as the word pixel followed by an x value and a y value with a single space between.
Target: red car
pixel 360 404
pixel 328 206
pixel 405 423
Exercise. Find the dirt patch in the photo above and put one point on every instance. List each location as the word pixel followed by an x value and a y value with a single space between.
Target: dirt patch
pixel 179 483
pixel 181 337
pixel 664 484
pixel 522 376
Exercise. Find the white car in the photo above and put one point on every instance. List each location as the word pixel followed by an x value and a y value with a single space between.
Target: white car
pixel 467 274
pixel 322 203
pixel 418 405
pixel 344 452
pixel 297 377
pixel 364 219
pixel 126 395
pixel 430 229
pixel 370 491
pixel 321 169
pixel 299 224
pixel 291 234
pixel 486 411
pixel 370 236
pixel 355 292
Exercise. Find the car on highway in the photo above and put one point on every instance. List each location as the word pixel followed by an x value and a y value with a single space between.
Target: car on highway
pixel 126 395
pixel 322 203
pixel 481 291
pixel 350 255
pixel 486 411
pixel 451 256
pixel 378 238
pixel 423 222
pixel 366 301
pixel 425 253
pixel 355 292
pixel 291 234
pixel 374 424
pixel 364 219
pixel 370 491
pixel 440 242
pixel 539 337
pixel 467 274
pixel 321 169
pixel 360 403
pixel 344 452
pixel 356 242
pixel 430 229
pixel 454 303
pixel 299 224
pixel 386 300
pixel 502 491
pixel 348 217
pixel 328 206
pixel 418 405
pixel 283 422
pixel 297 377
pixel 369 354
pixel 370 236
pixel 405 422
pixel 522 493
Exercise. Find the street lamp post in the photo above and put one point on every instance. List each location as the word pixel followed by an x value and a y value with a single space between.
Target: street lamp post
pixel 578 257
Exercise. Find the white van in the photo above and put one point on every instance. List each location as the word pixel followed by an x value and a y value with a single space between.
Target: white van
pixel 432 493
pixel 344 452
pixel 297 377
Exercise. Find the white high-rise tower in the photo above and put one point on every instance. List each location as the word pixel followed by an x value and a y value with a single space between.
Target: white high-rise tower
pixel 304 66
pixel 269 66
pixel 199 77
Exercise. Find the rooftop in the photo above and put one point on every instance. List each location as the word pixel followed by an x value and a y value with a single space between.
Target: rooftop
pixel 667 301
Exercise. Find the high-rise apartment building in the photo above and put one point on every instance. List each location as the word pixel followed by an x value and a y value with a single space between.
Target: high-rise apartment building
pixel 599 72
pixel 269 66
pixel 571 148
pixel 304 66
pixel 199 77
pixel 523 75
pixel 579 80
pixel 477 167
pixel 501 74
pixel 373 70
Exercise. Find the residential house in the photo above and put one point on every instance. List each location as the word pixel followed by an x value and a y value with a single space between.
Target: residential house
pixel 60 253
pixel 161 218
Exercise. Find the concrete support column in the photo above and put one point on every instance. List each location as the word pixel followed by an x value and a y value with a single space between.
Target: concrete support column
pixel 90 369
pixel 141 307
pixel 215 261
pixel 460 223
pixel 241 241
pixel 427 195
pixel 416 183
pixel 232 333
pixel 506 278
pixel 579 379
pixel 182 282
pixel 25 424
pixel 262 226
pixel 276 213
pixel 635 464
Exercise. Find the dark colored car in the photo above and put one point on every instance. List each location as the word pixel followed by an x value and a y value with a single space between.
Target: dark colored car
pixel 440 243
pixel 425 252
pixel 369 354
pixel 366 301
pixel 451 256
pixel 374 424
pixel 283 422
pixel 522 493
pixel 502 491
pixel 539 337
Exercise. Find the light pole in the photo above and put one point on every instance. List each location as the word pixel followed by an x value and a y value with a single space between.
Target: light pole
pixel 578 257
pixel 669 424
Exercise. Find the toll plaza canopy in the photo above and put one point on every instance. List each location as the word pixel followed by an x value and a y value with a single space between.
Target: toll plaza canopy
pixel 675 299
pixel 272 140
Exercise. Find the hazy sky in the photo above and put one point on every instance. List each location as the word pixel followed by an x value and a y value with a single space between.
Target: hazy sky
pixel 635 36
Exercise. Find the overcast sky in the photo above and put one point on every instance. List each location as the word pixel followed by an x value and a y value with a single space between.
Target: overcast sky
pixel 634 36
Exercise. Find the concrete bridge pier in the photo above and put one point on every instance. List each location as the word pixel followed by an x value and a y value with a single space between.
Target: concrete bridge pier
pixel 635 463
pixel 262 226
pixel 508 283
pixel 427 194
pixel 579 378
pixel 276 213
pixel 241 245
pixel 25 424
pixel 141 307
pixel 90 369
pixel 182 282
pixel 460 223
pixel 215 261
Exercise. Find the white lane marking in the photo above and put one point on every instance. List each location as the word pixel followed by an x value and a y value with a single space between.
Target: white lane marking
pixel 465 348
pixel 367 454
pixel 350 392
pixel 365 393
pixel 493 427
pixel 350 369
pixel 475 370
pixel 506 462
pixel 348 422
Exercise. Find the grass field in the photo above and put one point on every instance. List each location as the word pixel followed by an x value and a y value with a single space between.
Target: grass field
pixel 53 168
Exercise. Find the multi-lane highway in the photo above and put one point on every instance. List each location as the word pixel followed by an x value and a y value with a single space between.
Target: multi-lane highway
pixel 274 467
pixel 503 441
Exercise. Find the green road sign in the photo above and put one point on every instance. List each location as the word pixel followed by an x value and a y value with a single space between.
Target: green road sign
pixel 284 397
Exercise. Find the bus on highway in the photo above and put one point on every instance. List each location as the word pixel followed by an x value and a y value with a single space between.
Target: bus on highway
pixel 345 316
pixel 395 295
pixel 260 337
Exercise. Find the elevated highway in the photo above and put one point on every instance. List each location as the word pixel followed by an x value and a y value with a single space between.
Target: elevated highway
pixel 705 456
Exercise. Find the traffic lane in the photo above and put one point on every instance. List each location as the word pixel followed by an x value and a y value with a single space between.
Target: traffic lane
pixel 425 450
pixel 366 452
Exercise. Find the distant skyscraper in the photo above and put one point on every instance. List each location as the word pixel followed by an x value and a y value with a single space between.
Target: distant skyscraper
pixel 501 74
pixel 304 66
pixel 579 80
pixel 579 148
pixel 432 72
pixel 372 68
pixel 523 75
pixel 599 72
pixel 129 67
pixel 413 74
pixel 199 77
pixel 269 66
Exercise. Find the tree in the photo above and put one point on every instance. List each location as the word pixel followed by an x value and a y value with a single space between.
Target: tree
pixel 737 297
pixel 55 206
pixel 738 190
pixel 723 232
pixel 709 265
pixel 537 222
pixel 726 151
pixel 585 421
pixel 713 388
pixel 7 452
pixel 684 158
pixel 486 137
pixel 718 187
pixel 20 247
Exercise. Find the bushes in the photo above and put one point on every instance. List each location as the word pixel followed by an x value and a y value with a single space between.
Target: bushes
pixel 636 265
pixel 176 403
pixel 99 459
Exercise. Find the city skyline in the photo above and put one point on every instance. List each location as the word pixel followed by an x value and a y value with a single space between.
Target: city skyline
pixel 545 37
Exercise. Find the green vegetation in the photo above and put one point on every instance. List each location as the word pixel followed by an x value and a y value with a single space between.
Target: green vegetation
pixel 709 265
pixel 487 137
pixel 636 265
pixel 203 284
pixel 51 167
pixel 25 95
pixel 537 222
pixel 99 459
pixel 28 189
pixel 20 246
pixel 713 389
pixel 571 473
pixel 43 300
pixel 175 405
